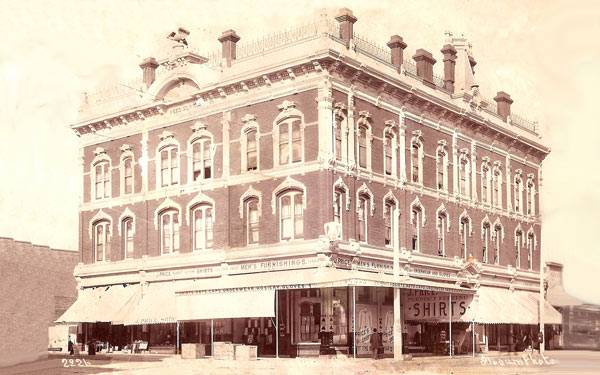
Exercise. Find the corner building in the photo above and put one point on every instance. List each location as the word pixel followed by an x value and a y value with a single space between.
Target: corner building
pixel 297 192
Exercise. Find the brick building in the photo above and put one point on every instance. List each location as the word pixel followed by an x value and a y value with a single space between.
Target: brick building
pixel 37 288
pixel 316 178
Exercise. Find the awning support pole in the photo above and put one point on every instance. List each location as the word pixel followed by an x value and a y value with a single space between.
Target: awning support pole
pixel 354 319
pixel 212 346
pixel 276 323
pixel 450 325
pixel 177 347
pixel 473 332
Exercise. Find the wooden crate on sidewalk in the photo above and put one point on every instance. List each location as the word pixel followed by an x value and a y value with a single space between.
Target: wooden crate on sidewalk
pixel 246 352
pixel 193 351
pixel 223 350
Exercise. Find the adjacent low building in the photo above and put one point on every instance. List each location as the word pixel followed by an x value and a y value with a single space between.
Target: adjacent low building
pixel 37 288
pixel 297 192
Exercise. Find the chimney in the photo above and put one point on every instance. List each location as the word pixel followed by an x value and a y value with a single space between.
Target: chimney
pixel 346 20
pixel 425 61
pixel 449 63
pixel 149 66
pixel 503 101
pixel 228 40
pixel 397 47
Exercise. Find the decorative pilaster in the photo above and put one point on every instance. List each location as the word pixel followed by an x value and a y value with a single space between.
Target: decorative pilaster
pixel 508 184
pixel 455 163
pixel 325 120
pixel 81 173
pixel 351 130
pixel 144 163
pixel 402 146
pixel 226 122
pixel 474 170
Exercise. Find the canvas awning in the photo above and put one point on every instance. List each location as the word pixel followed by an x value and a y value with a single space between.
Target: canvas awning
pixel 242 304
pixel 503 306
pixel 156 305
pixel 100 304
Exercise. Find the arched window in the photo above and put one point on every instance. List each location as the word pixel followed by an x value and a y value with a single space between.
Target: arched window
pixel 389 220
pixel 518 245
pixel 518 191
pixel 169 231
pixel 389 151
pixel 497 237
pixel 102 179
pixel 169 165
pixel 338 137
pixel 485 239
pixel 441 166
pixel 362 146
pixel 202 226
pixel 101 240
pixel 497 187
pixel 464 236
pixel 463 176
pixel 530 197
pixel 252 220
pixel 127 174
pixel 530 249
pixel 127 237
pixel 250 157
pixel 291 215
pixel 417 222
pixel 442 228
pixel 362 216
pixel 202 158
pixel 290 141
pixel 415 157
pixel 485 182
pixel 338 199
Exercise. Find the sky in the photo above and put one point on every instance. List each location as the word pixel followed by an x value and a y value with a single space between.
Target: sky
pixel 544 53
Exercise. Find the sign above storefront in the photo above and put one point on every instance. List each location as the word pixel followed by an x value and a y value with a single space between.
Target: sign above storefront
pixel 424 305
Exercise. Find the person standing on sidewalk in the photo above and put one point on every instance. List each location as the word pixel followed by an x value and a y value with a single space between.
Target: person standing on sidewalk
pixel 375 342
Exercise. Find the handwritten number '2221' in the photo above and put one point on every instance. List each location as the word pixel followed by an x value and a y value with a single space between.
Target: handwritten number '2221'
pixel 74 362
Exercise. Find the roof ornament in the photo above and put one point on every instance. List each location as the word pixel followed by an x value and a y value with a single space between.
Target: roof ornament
pixel 179 36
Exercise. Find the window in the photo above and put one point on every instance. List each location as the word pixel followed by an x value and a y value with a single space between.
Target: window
pixel 485 237
pixel 530 197
pixel 252 221
pixel 485 183
pixel 290 141
pixel 169 166
pixel 101 243
pixel 291 220
pixel 497 188
pixel 202 227
pixel 363 209
pixel 251 149
pixel 518 244
pixel 338 138
pixel 417 219
pixel 415 157
pixel 463 176
pixel 102 179
pixel 464 236
pixel 337 206
pixel 518 192
pixel 530 248
pixel 497 239
pixel 202 159
pixel 441 166
pixel 127 175
pixel 362 146
pixel 442 227
pixel 389 147
pixel 389 222
pixel 127 237
pixel 169 231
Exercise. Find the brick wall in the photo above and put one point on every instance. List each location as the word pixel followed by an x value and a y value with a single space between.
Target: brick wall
pixel 37 286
